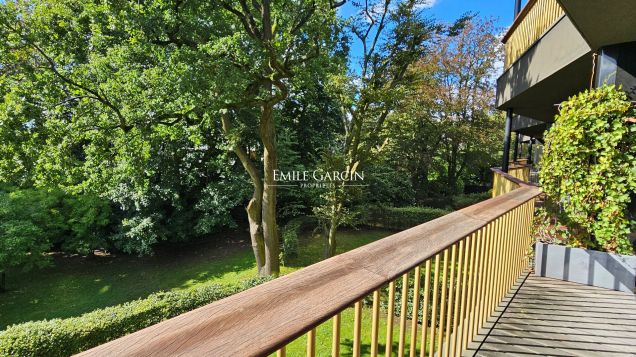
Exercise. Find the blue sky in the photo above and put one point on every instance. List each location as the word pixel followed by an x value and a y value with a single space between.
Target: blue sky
pixel 447 11
pixel 450 10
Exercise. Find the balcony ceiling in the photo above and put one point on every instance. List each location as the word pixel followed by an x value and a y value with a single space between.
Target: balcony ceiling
pixel 605 22
pixel 555 67
pixel 540 102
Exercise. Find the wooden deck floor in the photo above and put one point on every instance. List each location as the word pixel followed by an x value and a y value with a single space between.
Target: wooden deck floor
pixel 548 317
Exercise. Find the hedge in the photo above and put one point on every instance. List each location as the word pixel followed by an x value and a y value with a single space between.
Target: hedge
pixel 403 217
pixel 455 202
pixel 65 337
pixel 291 232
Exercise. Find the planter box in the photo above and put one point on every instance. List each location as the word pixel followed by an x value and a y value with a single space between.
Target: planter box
pixel 590 267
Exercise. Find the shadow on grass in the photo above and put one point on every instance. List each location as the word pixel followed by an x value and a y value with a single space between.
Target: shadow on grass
pixel 346 348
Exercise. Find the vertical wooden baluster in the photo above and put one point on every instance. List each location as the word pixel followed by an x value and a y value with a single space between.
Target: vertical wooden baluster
pixel 311 343
pixel 431 341
pixel 459 294
pixel 511 249
pixel 495 268
pixel 506 258
pixel 479 276
pixel 501 289
pixel 450 301
pixel 403 314
pixel 486 274
pixel 417 276
pixel 335 337
pixel 375 319
pixel 281 352
pixel 515 238
pixel 389 320
pixel 357 324
pixel 522 237
pixel 470 304
pixel 442 310
pixel 427 294
pixel 532 203
pixel 530 222
pixel 519 240
pixel 501 279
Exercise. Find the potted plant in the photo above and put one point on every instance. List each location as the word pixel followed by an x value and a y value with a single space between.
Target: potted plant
pixel 588 174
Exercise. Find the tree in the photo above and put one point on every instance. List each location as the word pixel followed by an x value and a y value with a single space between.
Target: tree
pixel 27 226
pixel 287 39
pixel 465 67
pixel 95 89
pixel 393 36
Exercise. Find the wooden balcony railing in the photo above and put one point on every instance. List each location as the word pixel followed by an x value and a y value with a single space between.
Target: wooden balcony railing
pixel 532 22
pixel 518 175
pixel 450 273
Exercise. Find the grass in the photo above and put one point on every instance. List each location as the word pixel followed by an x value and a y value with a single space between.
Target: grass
pixel 324 335
pixel 76 285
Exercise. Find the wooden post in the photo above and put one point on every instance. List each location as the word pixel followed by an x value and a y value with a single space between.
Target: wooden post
pixel 506 148
pixel 517 7
pixel 515 155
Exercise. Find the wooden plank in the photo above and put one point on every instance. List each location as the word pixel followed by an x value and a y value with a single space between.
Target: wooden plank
pixel 556 324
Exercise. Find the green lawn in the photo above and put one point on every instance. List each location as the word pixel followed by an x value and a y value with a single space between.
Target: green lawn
pixel 77 285
pixel 324 336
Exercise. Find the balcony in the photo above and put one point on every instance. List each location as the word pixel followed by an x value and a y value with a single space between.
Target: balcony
pixel 466 279
pixel 553 50
pixel 532 22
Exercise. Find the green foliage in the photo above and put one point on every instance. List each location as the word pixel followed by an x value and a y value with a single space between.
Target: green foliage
pixel 402 217
pixel 469 199
pixel 553 226
pixel 32 221
pixel 589 165
pixel 291 232
pixel 65 337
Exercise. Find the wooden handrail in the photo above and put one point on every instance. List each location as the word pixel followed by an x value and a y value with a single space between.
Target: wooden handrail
pixel 265 318
pixel 512 178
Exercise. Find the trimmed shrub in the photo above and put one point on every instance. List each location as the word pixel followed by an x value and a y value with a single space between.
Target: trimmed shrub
pixel 65 337
pixel 469 199
pixel 457 201
pixel 403 217
pixel 589 165
pixel 291 232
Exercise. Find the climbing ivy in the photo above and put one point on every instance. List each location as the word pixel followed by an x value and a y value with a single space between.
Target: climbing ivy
pixel 589 165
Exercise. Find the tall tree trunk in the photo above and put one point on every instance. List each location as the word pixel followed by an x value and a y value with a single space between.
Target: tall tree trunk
pixel 268 138
pixel 335 218
pixel 270 228
pixel 255 206
pixel 2 281
pixel 331 238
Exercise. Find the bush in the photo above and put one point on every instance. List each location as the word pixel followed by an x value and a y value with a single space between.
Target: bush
pixel 589 165
pixel 403 217
pixel 455 202
pixel 64 337
pixel 469 199
pixel 291 232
